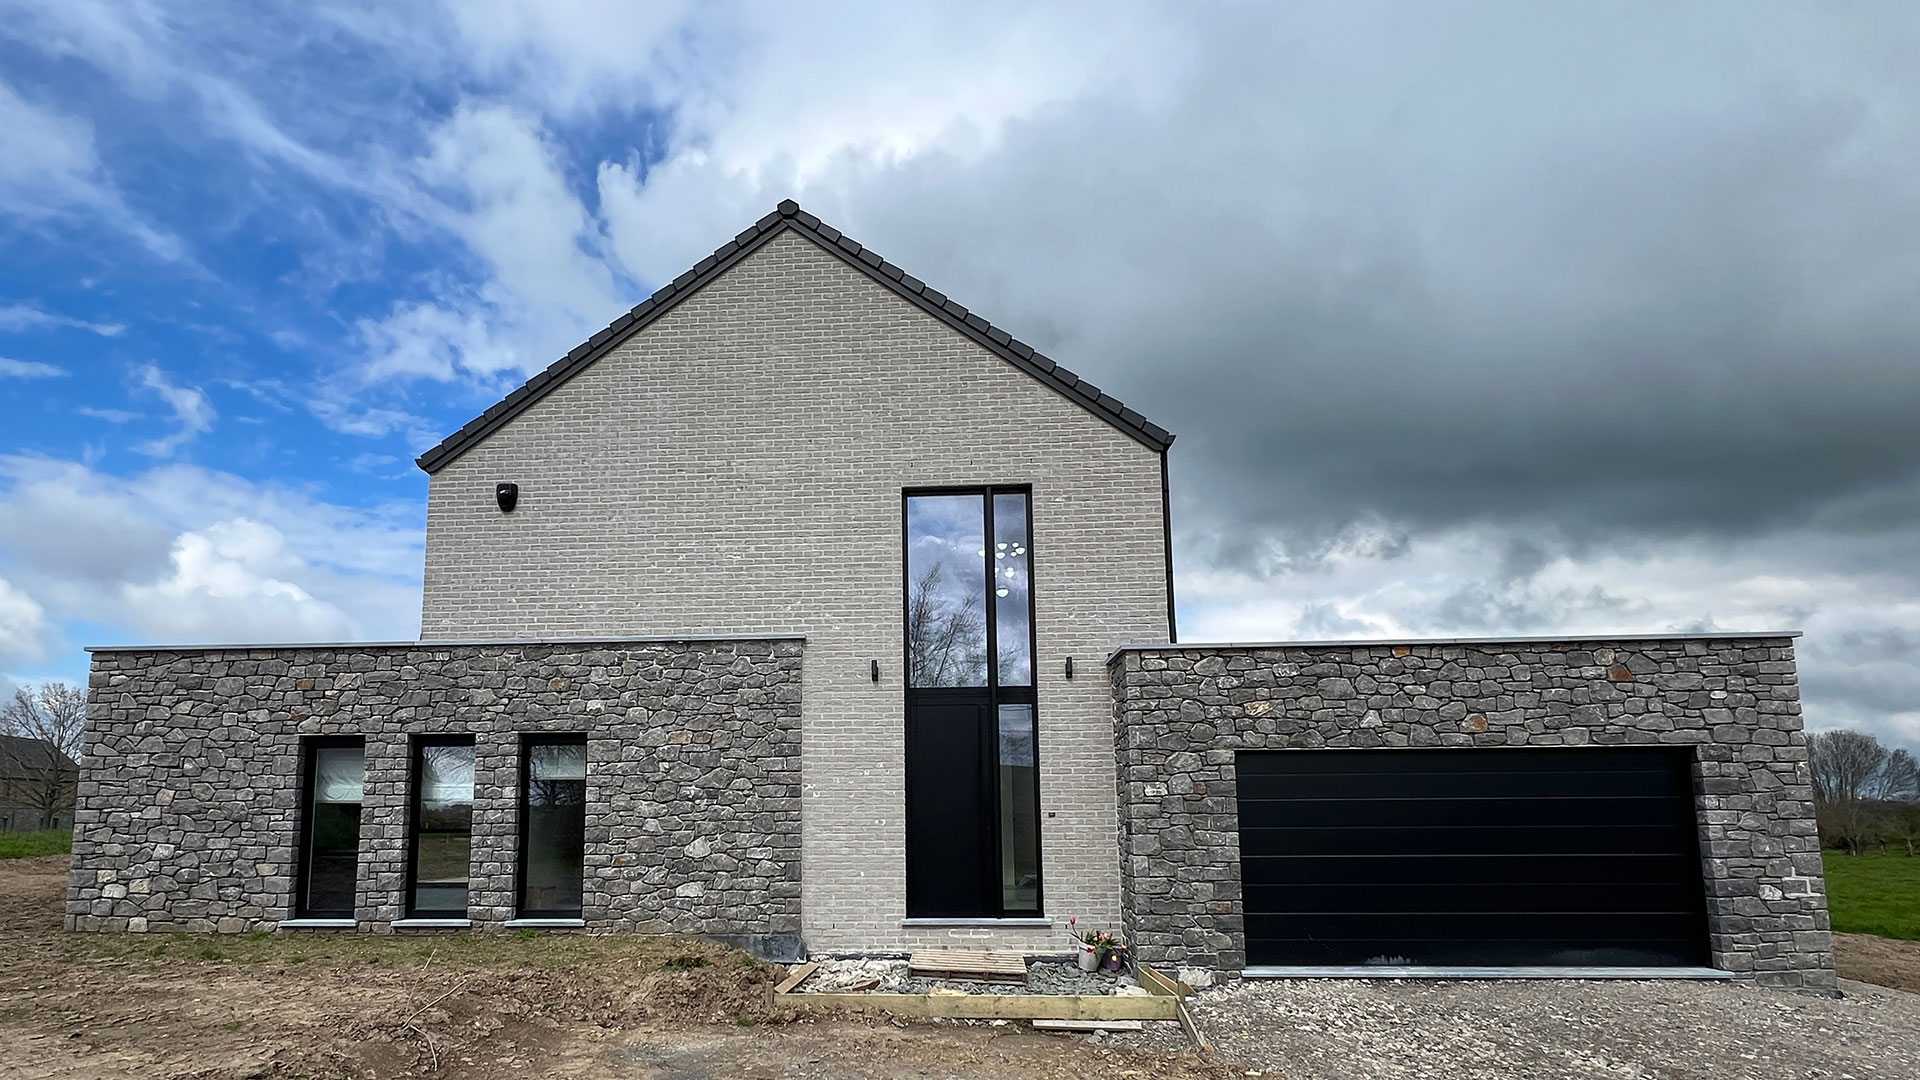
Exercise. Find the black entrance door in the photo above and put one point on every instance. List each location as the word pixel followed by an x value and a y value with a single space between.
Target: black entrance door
pixel 1471 857
pixel 973 828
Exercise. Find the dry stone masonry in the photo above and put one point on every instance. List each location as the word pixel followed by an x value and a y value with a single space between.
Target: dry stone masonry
pixel 188 813
pixel 1181 714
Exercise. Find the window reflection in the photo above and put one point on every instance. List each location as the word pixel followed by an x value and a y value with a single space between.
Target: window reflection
pixel 946 590
pixel 1019 811
pixel 554 851
pixel 1013 600
pixel 333 830
pixel 443 829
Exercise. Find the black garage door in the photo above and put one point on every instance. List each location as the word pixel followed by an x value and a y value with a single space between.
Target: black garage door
pixel 1474 857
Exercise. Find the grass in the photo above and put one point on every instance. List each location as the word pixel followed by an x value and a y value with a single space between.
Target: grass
pixel 20 845
pixel 1874 893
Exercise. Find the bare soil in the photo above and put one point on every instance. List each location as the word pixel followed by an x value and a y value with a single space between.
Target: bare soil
pixel 1870 959
pixel 76 1006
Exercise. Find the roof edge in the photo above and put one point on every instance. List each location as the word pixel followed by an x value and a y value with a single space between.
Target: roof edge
pixel 789 216
pixel 447 643
pixel 1550 639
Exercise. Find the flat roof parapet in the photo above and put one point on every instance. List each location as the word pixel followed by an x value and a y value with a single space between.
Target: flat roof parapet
pixel 449 643
pixel 1364 643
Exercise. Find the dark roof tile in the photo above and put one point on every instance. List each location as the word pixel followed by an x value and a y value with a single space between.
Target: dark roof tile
pixel 789 215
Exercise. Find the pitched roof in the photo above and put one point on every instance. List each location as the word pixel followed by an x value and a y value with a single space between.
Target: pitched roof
pixel 789 216
pixel 23 757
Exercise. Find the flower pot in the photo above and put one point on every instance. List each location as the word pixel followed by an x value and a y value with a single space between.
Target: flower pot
pixel 1114 962
pixel 1089 961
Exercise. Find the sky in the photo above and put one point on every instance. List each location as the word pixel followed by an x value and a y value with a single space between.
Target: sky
pixel 1473 319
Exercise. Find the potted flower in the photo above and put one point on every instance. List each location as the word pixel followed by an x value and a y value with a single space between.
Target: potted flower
pixel 1094 948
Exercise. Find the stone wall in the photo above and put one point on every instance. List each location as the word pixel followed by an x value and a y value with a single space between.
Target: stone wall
pixel 190 802
pixel 1182 713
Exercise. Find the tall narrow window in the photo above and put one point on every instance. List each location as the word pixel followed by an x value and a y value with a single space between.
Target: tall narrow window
pixel 973 793
pixel 442 828
pixel 553 826
pixel 335 772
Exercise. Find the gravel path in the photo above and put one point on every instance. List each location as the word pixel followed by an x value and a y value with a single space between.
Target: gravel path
pixel 1304 1029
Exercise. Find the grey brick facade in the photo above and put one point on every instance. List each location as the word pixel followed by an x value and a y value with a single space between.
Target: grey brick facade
pixel 188 813
pixel 1181 715
pixel 738 467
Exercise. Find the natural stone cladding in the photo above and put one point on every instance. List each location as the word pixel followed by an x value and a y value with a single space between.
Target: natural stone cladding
pixel 1182 713
pixel 189 805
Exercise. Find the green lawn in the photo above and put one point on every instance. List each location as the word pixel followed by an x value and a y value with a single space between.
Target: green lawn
pixel 19 845
pixel 1875 893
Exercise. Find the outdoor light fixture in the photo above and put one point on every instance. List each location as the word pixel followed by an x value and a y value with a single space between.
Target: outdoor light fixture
pixel 1069 667
pixel 876 669
pixel 507 495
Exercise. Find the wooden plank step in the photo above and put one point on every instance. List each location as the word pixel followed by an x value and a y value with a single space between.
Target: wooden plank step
pixel 992 1006
pixel 976 964
pixel 1089 1025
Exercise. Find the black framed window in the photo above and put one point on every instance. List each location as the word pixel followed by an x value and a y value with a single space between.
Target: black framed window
pixel 553 825
pixel 970 636
pixel 334 782
pixel 442 828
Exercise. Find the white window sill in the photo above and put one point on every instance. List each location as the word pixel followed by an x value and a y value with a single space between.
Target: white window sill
pixel 1002 924
pixel 431 924
pixel 319 924
pixel 545 924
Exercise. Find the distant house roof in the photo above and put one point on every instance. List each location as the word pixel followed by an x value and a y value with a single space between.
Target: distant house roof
pixel 789 216
pixel 26 757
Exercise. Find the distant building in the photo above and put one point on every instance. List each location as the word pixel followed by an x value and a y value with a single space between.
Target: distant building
pixel 37 784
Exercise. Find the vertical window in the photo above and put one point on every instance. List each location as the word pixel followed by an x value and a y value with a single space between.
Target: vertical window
pixel 973 782
pixel 553 826
pixel 442 828
pixel 335 771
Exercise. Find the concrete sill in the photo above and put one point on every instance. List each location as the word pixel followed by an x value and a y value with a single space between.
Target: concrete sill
pixel 545 924
pixel 319 924
pixel 1368 971
pixel 431 924
pixel 1003 924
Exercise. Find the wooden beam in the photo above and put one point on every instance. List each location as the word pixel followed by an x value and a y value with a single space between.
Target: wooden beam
pixel 1089 1025
pixel 795 977
pixel 994 1006
pixel 1192 1027
pixel 1160 984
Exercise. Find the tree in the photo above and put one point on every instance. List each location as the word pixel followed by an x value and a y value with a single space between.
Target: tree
pixel 1853 777
pixel 946 642
pixel 40 761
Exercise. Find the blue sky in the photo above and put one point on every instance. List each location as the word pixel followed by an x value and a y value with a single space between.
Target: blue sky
pixel 1475 319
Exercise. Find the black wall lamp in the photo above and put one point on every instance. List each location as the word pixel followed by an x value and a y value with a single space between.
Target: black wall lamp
pixel 876 669
pixel 1069 667
pixel 507 495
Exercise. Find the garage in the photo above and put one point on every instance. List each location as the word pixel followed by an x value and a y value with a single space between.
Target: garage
pixel 1576 857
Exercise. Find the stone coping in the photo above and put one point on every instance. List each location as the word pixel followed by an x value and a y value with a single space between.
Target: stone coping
pixel 1359 643
pixel 444 643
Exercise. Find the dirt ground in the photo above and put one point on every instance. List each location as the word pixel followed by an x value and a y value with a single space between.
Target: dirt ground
pixel 90 1006
pixel 93 1006
pixel 1886 961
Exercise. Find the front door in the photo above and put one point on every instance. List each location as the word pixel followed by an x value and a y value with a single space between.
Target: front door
pixel 973 802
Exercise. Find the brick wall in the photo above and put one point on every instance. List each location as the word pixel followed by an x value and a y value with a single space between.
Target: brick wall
pixel 189 806
pixel 1181 714
pixel 737 467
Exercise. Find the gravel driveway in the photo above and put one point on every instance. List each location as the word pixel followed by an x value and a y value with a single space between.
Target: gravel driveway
pixel 1301 1029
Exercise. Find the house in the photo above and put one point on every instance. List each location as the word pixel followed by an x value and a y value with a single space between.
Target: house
pixel 36 785
pixel 803 607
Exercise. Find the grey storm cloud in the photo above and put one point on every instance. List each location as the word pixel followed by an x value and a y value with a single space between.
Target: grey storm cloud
pixel 1589 282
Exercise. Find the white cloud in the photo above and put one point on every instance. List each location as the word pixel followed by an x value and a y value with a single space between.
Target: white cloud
pixel 29 317
pixel 231 582
pixel 49 169
pixel 28 369
pixel 23 625
pixel 192 412
pixel 111 416
pixel 185 553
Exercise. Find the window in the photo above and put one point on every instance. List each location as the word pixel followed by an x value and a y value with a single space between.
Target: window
pixel 335 773
pixel 553 825
pixel 442 817
pixel 973 792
